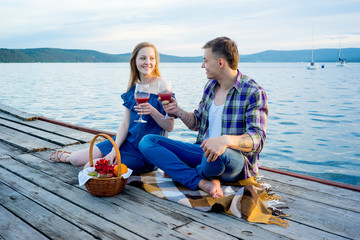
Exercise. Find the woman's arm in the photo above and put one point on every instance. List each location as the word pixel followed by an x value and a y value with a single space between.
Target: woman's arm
pixel 166 124
pixel 120 135
pixel 123 129
pixel 148 109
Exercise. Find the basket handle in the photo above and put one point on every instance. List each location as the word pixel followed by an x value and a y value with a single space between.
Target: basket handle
pixel 118 157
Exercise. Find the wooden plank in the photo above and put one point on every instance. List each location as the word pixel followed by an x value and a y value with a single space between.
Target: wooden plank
pixel 315 191
pixel 337 201
pixel 52 128
pixel 36 216
pixel 50 137
pixel 17 113
pixel 12 227
pixel 242 229
pixel 157 209
pixel 332 219
pixel 45 155
pixel 129 219
pixel 313 179
pixel 134 198
pixel 24 141
pixel 76 127
pixel 84 220
pixel 8 150
pixel 200 231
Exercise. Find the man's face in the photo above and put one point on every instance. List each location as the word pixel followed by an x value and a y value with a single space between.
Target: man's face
pixel 210 63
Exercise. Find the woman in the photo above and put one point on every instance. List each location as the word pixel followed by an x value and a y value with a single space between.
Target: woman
pixel 144 68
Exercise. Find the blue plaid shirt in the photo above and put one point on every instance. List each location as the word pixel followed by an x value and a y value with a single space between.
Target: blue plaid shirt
pixel 245 112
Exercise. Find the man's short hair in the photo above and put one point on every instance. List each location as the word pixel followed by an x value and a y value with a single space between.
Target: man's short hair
pixel 226 48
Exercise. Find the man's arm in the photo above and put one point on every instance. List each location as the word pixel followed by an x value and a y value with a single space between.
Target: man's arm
pixel 214 147
pixel 188 118
pixel 243 143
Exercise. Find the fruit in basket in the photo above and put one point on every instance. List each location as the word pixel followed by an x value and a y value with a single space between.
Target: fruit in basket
pixel 93 174
pixel 123 169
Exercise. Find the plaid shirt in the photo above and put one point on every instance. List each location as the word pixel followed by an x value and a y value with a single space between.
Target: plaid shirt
pixel 245 111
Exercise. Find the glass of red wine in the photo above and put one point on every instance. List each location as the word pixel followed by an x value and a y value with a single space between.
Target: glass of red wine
pixel 142 95
pixel 165 93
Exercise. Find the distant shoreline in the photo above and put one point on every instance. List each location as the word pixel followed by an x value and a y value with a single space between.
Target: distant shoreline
pixel 56 55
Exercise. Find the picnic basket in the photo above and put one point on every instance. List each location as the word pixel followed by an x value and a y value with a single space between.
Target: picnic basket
pixel 105 187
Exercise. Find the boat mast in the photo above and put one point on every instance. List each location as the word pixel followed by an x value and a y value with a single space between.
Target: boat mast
pixel 312 45
pixel 339 50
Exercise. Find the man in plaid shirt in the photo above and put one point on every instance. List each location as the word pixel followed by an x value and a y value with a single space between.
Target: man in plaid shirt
pixel 231 124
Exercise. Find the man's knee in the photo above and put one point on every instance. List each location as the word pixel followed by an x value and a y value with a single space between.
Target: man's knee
pixel 146 142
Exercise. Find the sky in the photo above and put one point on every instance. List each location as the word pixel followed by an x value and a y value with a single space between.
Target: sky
pixel 179 27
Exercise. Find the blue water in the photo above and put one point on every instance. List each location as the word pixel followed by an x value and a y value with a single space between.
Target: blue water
pixel 314 117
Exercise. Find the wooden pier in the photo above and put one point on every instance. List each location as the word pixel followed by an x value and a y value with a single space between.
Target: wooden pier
pixel 40 199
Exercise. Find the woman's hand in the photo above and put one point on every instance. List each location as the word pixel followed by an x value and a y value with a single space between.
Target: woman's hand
pixel 111 156
pixel 144 108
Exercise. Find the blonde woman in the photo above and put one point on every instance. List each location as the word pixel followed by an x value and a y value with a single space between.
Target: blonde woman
pixel 144 68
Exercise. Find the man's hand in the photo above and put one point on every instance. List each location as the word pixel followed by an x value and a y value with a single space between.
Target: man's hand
pixel 214 147
pixel 171 106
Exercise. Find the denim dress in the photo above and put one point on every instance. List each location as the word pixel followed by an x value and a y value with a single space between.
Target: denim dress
pixel 129 151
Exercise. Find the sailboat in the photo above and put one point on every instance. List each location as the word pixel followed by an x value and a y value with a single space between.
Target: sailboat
pixel 312 65
pixel 341 62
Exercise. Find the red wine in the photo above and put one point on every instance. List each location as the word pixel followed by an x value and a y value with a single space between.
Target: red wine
pixel 165 96
pixel 141 99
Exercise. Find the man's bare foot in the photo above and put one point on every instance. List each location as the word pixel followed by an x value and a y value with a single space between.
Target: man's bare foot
pixel 212 187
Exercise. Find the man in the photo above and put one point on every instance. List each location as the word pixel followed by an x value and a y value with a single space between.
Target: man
pixel 231 124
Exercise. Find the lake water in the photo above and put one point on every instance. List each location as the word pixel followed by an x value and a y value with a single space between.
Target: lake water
pixel 314 116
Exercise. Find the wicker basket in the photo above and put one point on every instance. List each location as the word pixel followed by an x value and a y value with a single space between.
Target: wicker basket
pixel 105 187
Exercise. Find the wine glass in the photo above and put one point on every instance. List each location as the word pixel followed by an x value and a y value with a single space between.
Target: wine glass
pixel 142 95
pixel 165 93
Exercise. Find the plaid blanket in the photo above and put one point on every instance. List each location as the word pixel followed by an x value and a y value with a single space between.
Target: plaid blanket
pixel 246 199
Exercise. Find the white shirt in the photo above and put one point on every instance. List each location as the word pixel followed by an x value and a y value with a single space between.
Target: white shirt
pixel 215 117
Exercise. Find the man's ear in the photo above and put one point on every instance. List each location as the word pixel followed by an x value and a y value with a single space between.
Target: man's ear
pixel 221 62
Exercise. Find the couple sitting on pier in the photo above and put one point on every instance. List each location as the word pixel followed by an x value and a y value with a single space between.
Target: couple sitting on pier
pixel 230 120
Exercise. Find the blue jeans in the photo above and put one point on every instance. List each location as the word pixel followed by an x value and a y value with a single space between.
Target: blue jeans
pixel 186 164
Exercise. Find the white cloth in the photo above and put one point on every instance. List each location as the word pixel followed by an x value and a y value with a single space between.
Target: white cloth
pixel 215 120
pixel 83 176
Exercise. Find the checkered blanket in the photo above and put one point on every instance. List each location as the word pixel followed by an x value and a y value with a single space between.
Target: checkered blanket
pixel 246 199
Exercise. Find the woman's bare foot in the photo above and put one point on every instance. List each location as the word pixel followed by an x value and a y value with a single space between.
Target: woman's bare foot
pixel 212 187
pixel 60 156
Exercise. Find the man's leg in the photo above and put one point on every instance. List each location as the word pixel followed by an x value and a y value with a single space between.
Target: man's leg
pixel 175 158
pixel 227 167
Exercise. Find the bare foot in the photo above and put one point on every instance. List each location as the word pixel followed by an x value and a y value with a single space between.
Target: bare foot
pixel 212 187
pixel 60 156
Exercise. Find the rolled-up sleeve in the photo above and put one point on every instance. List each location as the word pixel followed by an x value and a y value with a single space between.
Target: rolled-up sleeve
pixel 256 118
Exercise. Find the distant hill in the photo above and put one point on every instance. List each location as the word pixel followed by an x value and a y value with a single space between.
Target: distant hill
pixel 71 55
pixel 320 55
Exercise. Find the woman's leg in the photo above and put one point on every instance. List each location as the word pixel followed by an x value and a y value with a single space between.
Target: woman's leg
pixel 137 164
pixel 175 158
pixel 81 157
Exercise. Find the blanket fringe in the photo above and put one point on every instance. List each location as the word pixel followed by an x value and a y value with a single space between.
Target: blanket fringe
pixel 279 221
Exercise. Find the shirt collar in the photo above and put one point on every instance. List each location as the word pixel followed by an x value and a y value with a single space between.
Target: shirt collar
pixel 237 80
pixel 236 84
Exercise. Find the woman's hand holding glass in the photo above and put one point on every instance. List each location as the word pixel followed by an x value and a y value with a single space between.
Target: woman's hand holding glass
pixel 142 95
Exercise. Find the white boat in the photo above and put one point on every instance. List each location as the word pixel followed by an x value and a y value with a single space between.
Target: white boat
pixel 312 65
pixel 341 62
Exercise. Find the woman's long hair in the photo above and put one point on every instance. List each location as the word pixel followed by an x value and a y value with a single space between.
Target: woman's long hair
pixel 134 72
